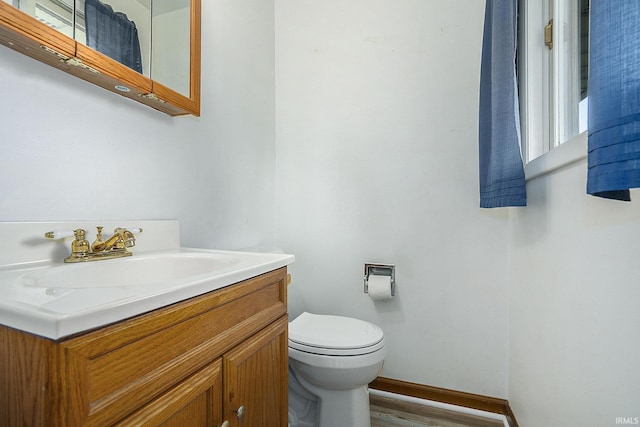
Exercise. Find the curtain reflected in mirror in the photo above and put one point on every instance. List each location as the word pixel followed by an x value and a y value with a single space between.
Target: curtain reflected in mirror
pixel 112 33
pixel 119 29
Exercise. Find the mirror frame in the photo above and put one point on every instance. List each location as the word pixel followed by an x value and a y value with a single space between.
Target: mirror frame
pixel 25 34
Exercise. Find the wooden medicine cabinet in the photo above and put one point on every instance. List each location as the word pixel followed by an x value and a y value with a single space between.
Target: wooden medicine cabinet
pixel 152 56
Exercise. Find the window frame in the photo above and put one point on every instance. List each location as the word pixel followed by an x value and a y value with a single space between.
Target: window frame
pixel 547 119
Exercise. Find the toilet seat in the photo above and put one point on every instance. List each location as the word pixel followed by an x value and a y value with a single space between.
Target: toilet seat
pixel 334 335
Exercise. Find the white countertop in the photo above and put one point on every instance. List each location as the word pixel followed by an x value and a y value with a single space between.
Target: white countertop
pixel 56 312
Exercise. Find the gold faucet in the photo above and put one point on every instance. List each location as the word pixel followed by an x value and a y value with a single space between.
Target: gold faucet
pixel 114 247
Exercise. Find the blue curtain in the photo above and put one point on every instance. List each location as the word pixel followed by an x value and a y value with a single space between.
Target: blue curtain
pixel 614 99
pixel 502 181
pixel 112 34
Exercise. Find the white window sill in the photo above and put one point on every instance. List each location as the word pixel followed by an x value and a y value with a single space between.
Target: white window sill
pixel 565 154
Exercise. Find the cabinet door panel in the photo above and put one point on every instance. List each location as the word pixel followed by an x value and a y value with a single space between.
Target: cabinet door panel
pixel 256 379
pixel 197 401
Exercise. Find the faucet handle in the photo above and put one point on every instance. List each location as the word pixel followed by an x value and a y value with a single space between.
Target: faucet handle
pixel 59 234
pixel 79 246
pixel 132 230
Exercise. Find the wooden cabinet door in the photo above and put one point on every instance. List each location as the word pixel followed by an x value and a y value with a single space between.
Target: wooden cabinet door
pixel 255 379
pixel 195 402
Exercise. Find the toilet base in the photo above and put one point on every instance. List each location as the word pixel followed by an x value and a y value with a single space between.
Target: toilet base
pixel 345 408
pixel 303 406
pixel 340 407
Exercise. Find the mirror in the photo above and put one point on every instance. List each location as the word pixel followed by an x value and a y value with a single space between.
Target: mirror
pixel 158 41
pixel 171 23
pixel 56 14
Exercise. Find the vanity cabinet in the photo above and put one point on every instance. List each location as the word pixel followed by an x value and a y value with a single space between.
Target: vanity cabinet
pixel 213 359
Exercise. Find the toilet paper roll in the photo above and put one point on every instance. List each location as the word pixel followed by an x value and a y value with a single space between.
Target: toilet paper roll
pixel 379 287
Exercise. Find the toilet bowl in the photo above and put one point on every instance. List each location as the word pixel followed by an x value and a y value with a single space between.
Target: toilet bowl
pixel 331 361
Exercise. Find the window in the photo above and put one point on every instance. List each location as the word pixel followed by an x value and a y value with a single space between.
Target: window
pixel 552 72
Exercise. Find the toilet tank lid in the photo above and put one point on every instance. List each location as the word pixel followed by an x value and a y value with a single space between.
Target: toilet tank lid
pixel 326 331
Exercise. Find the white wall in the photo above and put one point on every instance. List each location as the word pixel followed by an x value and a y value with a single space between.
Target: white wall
pixel 377 105
pixel 574 346
pixel 70 150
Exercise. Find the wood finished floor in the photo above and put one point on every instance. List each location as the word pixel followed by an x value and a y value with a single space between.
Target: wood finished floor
pixel 387 412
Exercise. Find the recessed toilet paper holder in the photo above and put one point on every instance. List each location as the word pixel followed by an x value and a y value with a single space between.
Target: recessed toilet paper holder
pixel 371 269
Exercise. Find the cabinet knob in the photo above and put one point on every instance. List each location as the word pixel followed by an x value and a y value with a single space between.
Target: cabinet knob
pixel 225 424
pixel 240 412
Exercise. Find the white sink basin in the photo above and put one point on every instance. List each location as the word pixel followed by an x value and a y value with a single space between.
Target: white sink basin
pixel 55 300
pixel 173 269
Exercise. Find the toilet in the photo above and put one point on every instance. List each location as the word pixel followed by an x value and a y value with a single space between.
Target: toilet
pixel 332 359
